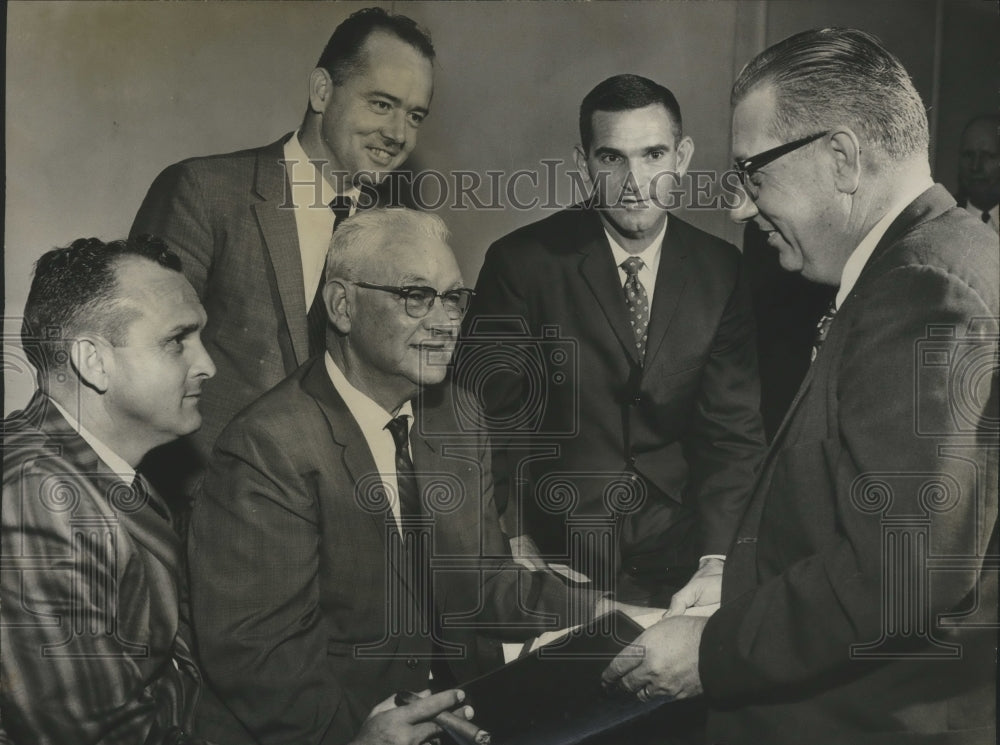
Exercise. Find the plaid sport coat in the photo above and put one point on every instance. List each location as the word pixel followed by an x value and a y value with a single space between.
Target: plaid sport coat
pixel 93 648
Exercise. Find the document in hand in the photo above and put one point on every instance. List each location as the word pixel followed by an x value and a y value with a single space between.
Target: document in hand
pixel 553 696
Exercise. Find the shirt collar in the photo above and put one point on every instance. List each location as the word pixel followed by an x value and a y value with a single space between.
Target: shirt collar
pixel 859 257
pixel 117 465
pixel 294 152
pixel 370 416
pixel 650 255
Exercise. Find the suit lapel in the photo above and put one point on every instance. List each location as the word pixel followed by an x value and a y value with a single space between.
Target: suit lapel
pixel 280 236
pixel 671 276
pixel 353 451
pixel 143 523
pixel 601 275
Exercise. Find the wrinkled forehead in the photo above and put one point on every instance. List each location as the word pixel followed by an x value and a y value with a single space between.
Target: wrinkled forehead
pixel 156 291
pixel 415 259
pixel 646 125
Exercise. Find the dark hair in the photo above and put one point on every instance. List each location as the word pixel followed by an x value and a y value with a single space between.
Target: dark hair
pixel 625 93
pixel 824 76
pixel 342 55
pixel 75 290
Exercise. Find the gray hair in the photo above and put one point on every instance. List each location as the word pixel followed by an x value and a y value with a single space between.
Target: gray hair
pixel 360 237
pixel 824 76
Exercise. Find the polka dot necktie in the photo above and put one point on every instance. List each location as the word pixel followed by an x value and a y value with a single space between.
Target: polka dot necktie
pixel 822 329
pixel 637 303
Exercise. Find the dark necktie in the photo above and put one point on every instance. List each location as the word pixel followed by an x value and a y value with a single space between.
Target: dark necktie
pixel 144 493
pixel 822 329
pixel 637 303
pixel 406 479
pixel 316 317
pixel 986 216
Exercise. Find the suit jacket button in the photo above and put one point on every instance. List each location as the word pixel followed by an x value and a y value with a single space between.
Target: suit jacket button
pixel 633 570
pixel 637 400
pixel 412 662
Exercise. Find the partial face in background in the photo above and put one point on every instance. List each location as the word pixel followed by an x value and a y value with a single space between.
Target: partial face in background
pixel 370 121
pixel 632 148
pixel 979 163
pixel 156 375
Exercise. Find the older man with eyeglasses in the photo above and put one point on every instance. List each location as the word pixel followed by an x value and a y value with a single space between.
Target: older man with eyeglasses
pixel 859 599
pixel 345 543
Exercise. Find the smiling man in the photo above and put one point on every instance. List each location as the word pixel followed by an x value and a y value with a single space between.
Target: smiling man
pixel 859 599
pixel 252 227
pixel 314 546
pixel 660 403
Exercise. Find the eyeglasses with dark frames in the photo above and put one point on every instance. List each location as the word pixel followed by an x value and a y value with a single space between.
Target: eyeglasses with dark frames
pixel 746 167
pixel 418 300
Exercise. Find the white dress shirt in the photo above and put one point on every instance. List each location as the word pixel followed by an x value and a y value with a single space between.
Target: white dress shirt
pixel 372 419
pixel 116 465
pixel 994 214
pixel 311 195
pixel 859 257
pixel 650 259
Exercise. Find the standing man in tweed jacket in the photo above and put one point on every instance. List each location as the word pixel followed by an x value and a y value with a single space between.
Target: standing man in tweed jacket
pixel 252 227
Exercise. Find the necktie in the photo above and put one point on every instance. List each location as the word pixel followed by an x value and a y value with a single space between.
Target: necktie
pixel 316 317
pixel 822 329
pixel 406 479
pixel 637 302
pixel 415 537
pixel 144 493
pixel 986 216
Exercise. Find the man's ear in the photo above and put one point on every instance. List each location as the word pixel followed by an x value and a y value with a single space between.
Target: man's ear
pixel 337 300
pixel 846 150
pixel 320 89
pixel 581 163
pixel 685 151
pixel 92 360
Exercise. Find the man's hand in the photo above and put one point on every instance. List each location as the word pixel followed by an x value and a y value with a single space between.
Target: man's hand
pixel 389 724
pixel 662 661
pixel 704 588
pixel 526 553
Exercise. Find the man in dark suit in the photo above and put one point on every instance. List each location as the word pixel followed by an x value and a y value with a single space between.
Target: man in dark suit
pixel 252 227
pixel 859 599
pixel 979 169
pixel 641 408
pixel 345 539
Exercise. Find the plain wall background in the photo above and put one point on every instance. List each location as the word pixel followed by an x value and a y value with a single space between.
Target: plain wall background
pixel 101 96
